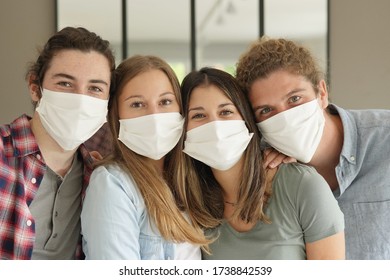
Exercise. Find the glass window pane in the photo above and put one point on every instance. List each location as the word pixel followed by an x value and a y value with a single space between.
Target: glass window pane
pixel 304 21
pixel 100 16
pixel 160 28
pixel 224 30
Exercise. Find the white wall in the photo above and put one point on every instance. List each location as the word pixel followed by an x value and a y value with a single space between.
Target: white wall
pixel 24 26
pixel 359 52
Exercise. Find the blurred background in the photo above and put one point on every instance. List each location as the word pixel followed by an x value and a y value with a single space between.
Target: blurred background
pixel 348 37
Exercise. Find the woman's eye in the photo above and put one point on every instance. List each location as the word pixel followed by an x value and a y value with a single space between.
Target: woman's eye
pixel 197 116
pixel 165 102
pixel 226 113
pixel 136 105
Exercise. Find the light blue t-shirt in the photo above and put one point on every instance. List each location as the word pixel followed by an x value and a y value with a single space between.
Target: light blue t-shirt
pixel 363 174
pixel 115 223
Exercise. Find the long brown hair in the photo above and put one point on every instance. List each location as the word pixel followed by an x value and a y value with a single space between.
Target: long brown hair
pixel 156 192
pixel 196 185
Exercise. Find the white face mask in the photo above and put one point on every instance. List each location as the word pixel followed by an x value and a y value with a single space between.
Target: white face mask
pixel 152 136
pixel 70 118
pixel 218 144
pixel 295 132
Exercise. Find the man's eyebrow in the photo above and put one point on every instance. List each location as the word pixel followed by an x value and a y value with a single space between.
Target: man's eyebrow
pixel 70 77
pixel 292 92
pixel 259 107
pixel 63 75
pixel 98 82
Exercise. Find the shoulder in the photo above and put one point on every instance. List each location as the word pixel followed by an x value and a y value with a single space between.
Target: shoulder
pixel 366 118
pixel 110 190
pixel 6 130
pixel 366 134
pixel 371 118
pixel 112 179
pixel 2 130
pixel 297 179
pixel 18 126
pixel 111 172
pixel 303 190
pixel 296 172
pixel 17 137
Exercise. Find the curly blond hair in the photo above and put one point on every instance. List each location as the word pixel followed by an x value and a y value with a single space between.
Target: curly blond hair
pixel 267 55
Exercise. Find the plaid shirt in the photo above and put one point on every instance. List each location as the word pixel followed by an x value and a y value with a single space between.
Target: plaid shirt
pixel 21 172
pixel 101 141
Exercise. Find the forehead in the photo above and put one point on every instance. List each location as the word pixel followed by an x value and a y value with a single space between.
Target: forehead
pixel 276 85
pixel 90 64
pixel 149 83
pixel 207 95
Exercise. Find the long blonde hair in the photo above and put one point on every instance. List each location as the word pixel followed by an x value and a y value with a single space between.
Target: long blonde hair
pixel 156 192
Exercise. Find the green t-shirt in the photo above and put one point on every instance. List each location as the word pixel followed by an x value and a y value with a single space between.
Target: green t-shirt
pixel 302 209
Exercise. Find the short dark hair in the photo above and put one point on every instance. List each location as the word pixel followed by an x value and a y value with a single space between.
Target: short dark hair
pixel 69 38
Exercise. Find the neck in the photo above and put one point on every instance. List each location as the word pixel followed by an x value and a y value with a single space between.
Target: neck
pixel 230 180
pixel 55 157
pixel 328 153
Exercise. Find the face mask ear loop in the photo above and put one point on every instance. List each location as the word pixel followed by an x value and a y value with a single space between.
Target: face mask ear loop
pixel 39 101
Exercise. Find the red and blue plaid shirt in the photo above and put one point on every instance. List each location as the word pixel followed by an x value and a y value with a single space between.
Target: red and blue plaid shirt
pixel 21 172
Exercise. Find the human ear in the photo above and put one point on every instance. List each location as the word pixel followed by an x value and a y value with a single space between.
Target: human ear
pixel 323 94
pixel 34 88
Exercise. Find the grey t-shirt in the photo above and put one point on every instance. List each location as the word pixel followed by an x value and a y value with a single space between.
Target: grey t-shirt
pixel 56 210
pixel 302 210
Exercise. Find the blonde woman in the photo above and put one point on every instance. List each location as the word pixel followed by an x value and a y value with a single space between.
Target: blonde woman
pixel 130 211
